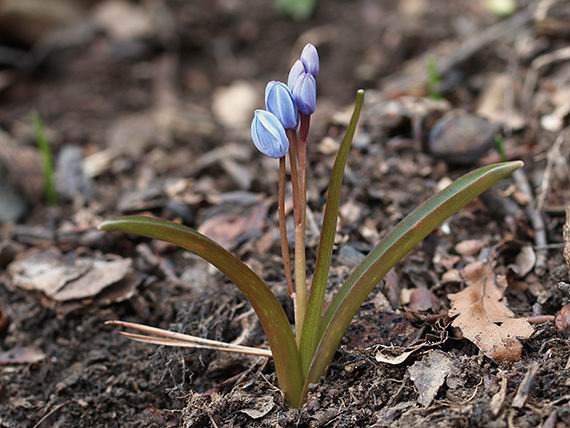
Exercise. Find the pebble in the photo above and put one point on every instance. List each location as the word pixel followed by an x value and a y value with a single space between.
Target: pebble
pixel 461 139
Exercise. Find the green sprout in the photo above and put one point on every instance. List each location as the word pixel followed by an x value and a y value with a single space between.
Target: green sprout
pixel 302 355
pixel 434 79
pixel 500 146
pixel 47 160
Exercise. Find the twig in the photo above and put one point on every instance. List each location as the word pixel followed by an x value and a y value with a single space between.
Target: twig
pixel 525 386
pixel 537 64
pixel 536 220
pixel 158 336
pixel 552 156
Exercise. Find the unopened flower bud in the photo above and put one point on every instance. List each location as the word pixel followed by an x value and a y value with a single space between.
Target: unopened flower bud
pixel 310 59
pixel 279 101
pixel 294 74
pixel 268 134
pixel 305 93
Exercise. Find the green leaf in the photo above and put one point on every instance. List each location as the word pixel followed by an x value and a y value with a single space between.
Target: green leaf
pixel 399 242
pixel 271 314
pixel 311 327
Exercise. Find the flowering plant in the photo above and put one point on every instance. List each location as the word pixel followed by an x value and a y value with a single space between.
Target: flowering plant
pixel 282 130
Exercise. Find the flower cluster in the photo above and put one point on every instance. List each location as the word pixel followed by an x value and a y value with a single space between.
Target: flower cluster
pixel 285 104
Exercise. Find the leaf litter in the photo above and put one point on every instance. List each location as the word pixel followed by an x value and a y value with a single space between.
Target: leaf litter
pixel 484 318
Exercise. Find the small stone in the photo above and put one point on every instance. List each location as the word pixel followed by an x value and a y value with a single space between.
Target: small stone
pixel 12 203
pixel 349 256
pixel 461 139
pixel 70 176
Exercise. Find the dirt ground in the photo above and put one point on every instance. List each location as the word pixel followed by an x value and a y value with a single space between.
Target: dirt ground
pixel 148 112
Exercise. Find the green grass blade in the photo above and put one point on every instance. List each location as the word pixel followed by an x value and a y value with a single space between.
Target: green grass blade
pixel 47 160
pixel 403 238
pixel 271 314
pixel 311 328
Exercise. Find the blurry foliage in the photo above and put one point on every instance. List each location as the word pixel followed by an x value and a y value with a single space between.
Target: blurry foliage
pixel 298 9
pixel 47 160
pixel 434 79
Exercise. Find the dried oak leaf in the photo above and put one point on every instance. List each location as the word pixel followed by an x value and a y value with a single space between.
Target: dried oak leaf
pixel 483 316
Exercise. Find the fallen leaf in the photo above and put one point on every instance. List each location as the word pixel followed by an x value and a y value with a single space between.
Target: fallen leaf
pixel 495 103
pixel 231 229
pixel 262 407
pixel 470 247
pixel 483 317
pixel 233 105
pixel 21 355
pixel 524 262
pixel 429 374
pixel 394 360
pixel 66 280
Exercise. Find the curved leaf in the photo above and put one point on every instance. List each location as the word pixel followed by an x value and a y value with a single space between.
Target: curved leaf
pixel 311 327
pixel 399 242
pixel 270 313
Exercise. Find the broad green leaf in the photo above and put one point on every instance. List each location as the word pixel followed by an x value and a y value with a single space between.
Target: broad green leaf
pixel 311 327
pixel 399 242
pixel 271 314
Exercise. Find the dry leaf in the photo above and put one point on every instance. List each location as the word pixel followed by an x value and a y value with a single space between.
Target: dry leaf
pixel 524 262
pixel 262 407
pixel 429 374
pixel 470 247
pixel 21 355
pixel 229 229
pixel 483 317
pixel 71 281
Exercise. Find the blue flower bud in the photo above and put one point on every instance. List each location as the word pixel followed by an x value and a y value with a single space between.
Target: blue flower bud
pixel 294 74
pixel 310 59
pixel 279 101
pixel 269 135
pixel 305 93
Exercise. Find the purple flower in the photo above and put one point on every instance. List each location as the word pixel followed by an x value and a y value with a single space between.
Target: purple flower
pixel 305 93
pixel 279 101
pixel 310 60
pixel 295 72
pixel 269 135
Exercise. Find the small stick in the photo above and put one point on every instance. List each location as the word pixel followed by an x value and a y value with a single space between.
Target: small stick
pixel 525 387
pixel 159 336
pixel 536 221
pixel 283 227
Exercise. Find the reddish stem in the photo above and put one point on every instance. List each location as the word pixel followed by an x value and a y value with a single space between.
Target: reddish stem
pixel 283 227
